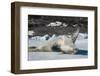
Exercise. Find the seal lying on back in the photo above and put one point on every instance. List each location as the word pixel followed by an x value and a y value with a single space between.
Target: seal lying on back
pixel 63 43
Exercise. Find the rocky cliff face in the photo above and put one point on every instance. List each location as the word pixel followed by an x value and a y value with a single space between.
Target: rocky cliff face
pixel 38 23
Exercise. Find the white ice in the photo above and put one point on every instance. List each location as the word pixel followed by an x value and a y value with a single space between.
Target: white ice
pixel 81 43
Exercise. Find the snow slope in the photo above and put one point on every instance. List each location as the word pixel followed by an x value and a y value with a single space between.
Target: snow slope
pixel 81 43
pixel 52 56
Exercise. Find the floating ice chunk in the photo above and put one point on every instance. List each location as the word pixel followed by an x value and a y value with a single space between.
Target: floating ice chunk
pixel 31 32
pixel 52 37
pixel 44 37
pixel 65 25
pixel 36 38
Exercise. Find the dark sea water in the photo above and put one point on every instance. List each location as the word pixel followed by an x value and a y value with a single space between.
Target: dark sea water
pixel 79 52
pixel 82 52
